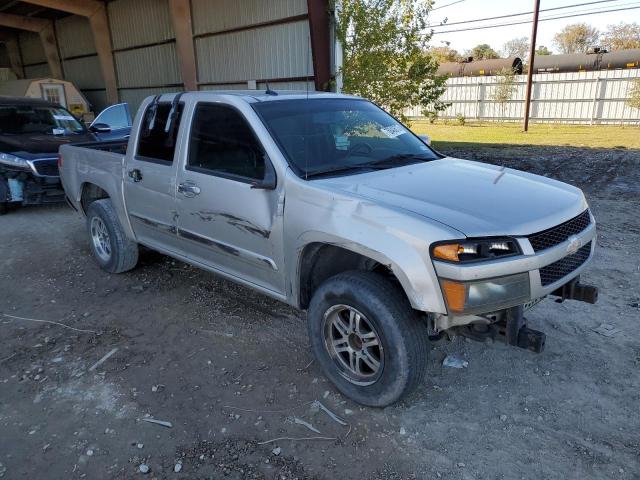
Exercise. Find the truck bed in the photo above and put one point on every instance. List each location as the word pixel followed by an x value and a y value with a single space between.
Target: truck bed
pixel 100 164
pixel 115 146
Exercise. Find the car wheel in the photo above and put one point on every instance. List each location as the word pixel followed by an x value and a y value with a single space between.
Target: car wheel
pixel 110 246
pixel 366 337
pixel 3 208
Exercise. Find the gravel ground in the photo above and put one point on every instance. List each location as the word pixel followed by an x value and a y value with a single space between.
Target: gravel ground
pixel 231 369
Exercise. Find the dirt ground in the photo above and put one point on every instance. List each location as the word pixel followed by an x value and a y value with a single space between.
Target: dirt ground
pixel 230 368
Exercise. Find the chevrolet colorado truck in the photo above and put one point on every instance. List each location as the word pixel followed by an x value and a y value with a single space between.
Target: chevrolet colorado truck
pixel 329 204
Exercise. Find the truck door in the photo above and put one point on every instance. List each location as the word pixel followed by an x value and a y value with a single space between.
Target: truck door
pixel 224 221
pixel 150 173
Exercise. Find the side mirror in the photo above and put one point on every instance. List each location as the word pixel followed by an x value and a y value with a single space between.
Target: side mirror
pixel 425 138
pixel 100 128
pixel 270 180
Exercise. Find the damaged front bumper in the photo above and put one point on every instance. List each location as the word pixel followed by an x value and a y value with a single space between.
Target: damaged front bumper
pixel 488 299
pixel 37 183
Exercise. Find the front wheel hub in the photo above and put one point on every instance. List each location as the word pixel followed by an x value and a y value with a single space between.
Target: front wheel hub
pixel 354 345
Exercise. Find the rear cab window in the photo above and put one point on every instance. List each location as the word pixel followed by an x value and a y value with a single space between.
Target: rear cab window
pixel 157 140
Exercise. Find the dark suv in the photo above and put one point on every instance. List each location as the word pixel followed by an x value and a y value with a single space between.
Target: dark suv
pixel 31 131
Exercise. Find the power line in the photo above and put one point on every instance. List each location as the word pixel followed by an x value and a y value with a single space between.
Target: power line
pixel 529 21
pixel 447 5
pixel 520 14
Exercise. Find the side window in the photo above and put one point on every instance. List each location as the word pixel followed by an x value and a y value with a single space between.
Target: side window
pixel 222 143
pixel 157 142
pixel 116 116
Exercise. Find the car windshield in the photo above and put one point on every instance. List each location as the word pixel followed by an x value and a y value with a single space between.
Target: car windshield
pixel 340 136
pixel 21 119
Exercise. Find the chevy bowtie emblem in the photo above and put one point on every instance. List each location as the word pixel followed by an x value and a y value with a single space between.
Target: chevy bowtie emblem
pixel 574 245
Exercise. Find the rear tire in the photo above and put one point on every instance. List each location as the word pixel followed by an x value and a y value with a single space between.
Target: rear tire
pixel 3 208
pixel 366 337
pixel 112 249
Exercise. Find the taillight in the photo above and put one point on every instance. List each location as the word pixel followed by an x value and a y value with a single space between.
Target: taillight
pixel 59 161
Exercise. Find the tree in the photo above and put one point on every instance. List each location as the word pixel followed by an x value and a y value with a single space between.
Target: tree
pixel 634 94
pixel 482 52
pixel 504 89
pixel 542 50
pixel 517 47
pixel 385 56
pixel 622 36
pixel 576 38
pixel 445 54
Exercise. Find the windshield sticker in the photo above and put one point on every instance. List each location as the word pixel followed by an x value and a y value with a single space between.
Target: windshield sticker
pixel 342 142
pixel 64 117
pixel 393 131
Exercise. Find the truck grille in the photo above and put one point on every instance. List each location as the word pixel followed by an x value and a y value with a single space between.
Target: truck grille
pixel 558 234
pixel 563 267
pixel 47 167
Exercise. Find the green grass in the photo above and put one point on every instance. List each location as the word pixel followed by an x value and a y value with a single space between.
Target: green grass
pixel 597 136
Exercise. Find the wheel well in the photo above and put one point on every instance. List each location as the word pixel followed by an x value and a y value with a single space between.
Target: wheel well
pixel 91 193
pixel 322 261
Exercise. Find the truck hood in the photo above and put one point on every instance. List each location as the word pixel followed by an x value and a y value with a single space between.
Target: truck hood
pixel 474 198
pixel 34 145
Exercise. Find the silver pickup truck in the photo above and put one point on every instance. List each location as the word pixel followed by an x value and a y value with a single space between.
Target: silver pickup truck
pixel 329 204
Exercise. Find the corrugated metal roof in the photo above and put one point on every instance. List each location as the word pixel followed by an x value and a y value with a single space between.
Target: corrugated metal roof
pixel 74 36
pixel 139 23
pixel 278 51
pixel 31 48
pixel 215 16
pixel 37 71
pixel 84 72
pixel 148 67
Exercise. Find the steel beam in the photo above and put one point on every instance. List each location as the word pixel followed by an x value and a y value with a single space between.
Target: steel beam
pixel 181 17
pixel 96 12
pixel 320 42
pixel 10 41
pixel 45 29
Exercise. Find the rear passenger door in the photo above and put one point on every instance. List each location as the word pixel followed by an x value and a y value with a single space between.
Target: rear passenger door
pixel 150 173
pixel 224 221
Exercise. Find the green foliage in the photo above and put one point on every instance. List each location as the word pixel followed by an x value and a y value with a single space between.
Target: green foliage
pixel 634 94
pixel 542 50
pixel 505 88
pixel 385 56
pixel 576 38
pixel 482 52
pixel 622 36
pixel 517 47
pixel 445 54
pixel 460 119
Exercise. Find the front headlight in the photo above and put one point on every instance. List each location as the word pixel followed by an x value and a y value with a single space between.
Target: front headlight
pixel 475 250
pixel 13 161
pixel 484 296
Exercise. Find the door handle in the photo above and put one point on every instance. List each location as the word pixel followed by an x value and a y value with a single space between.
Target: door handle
pixel 135 175
pixel 189 189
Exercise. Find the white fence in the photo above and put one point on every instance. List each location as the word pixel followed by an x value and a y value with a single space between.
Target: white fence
pixel 577 97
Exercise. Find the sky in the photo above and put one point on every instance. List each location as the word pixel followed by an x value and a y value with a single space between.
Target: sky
pixel 464 10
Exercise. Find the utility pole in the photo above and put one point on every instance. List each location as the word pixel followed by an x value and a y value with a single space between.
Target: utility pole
pixel 532 54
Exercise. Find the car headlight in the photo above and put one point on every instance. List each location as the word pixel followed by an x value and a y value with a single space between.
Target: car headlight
pixel 488 295
pixel 463 251
pixel 13 161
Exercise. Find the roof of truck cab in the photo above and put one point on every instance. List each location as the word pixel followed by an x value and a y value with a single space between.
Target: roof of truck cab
pixel 252 96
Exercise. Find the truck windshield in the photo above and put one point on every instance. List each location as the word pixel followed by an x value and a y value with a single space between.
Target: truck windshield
pixel 21 119
pixel 340 136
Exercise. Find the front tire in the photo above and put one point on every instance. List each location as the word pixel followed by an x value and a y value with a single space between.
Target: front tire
pixel 366 337
pixel 114 252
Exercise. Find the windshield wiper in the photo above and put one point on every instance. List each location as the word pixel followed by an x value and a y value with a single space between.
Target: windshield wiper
pixel 385 163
